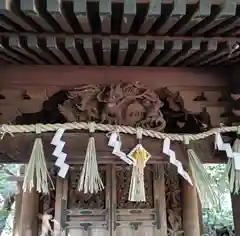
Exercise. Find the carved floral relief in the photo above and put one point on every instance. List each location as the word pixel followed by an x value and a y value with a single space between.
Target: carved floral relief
pixel 173 202
pixel 130 104
pixel 79 200
pixel 119 104
pixel 123 179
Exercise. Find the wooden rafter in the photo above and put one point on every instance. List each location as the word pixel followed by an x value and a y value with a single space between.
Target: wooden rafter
pixel 81 49
pixel 176 17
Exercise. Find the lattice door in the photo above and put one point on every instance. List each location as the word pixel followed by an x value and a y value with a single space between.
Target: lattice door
pixel 129 218
pixel 110 212
pixel 87 214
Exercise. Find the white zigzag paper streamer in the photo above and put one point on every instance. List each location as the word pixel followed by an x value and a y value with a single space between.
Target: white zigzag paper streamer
pixel 174 161
pixel 221 146
pixel 61 156
pixel 117 144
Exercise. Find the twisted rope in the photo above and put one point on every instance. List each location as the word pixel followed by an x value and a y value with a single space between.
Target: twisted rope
pixel 11 129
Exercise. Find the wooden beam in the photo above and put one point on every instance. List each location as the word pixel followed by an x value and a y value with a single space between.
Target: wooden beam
pixel 20 148
pixel 4 49
pixel 156 51
pixel 129 12
pixel 31 9
pixel 119 37
pixel 71 46
pixel 123 49
pixel 16 45
pixel 9 59
pixel 207 49
pixel 88 47
pixel 9 9
pixel 80 11
pixel 190 49
pixel 50 76
pixel 201 11
pixel 226 10
pixel 154 10
pixel 6 25
pixel 34 44
pixel 226 58
pixel 106 48
pixel 53 47
pixel 54 9
pixel 105 13
pixel 176 47
pixel 222 51
pixel 178 10
pixel 141 47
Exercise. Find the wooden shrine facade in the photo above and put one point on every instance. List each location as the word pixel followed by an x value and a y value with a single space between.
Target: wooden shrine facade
pixel 194 100
pixel 169 65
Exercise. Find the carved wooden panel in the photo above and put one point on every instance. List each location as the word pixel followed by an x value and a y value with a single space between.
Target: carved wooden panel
pixel 87 214
pixel 47 202
pixel 110 212
pixel 133 218
pixel 123 179
pixel 173 202
pixel 79 200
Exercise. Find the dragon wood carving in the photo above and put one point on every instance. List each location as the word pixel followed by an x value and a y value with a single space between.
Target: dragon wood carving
pixel 118 104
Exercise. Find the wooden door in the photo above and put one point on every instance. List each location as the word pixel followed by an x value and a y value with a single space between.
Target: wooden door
pixel 109 212
pixel 88 214
pixel 131 218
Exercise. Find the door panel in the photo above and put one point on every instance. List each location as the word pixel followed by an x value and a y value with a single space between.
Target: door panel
pixel 87 214
pixel 91 231
pixel 143 230
pixel 109 213
pixel 133 218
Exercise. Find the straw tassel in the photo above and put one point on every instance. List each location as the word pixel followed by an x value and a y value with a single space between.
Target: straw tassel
pixel 207 192
pixel 137 188
pixel 37 172
pixel 231 171
pixel 90 180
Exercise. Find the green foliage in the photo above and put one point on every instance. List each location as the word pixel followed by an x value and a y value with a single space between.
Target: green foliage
pixel 7 188
pixel 221 215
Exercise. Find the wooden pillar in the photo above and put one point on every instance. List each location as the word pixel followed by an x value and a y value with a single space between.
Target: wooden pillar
pixel 160 200
pixel 18 205
pixel 236 213
pixel 29 213
pixel 190 209
pixel 18 208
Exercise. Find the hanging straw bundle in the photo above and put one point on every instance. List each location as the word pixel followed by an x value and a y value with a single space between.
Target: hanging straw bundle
pixel 137 188
pixel 90 180
pixel 205 186
pixel 37 171
pixel 231 172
